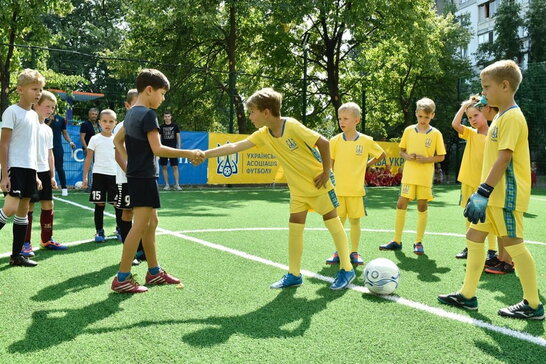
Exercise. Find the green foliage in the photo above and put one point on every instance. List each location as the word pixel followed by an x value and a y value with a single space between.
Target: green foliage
pixel 21 23
pixel 507 44
pixel 536 27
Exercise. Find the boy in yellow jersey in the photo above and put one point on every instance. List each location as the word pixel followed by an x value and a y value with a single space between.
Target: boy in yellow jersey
pixel 503 197
pixel 350 152
pixel 471 165
pixel 421 146
pixel 308 177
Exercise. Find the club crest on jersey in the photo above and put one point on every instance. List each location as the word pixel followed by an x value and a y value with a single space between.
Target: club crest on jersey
pixel 291 144
pixel 428 142
pixel 359 150
pixel 228 164
pixel 494 133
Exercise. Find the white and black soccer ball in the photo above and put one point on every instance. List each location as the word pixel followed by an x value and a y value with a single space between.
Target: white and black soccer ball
pixel 381 276
pixel 78 185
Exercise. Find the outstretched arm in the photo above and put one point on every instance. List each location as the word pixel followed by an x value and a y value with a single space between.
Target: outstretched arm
pixel 230 148
pixel 376 160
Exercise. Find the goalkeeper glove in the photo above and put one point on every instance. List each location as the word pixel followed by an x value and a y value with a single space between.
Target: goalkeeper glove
pixel 477 203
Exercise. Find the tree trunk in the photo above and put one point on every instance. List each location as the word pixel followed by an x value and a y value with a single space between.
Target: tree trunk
pixel 235 98
pixel 5 67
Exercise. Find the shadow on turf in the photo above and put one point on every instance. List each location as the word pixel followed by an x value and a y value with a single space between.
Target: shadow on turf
pixel 426 268
pixel 266 322
pixel 210 203
pixel 43 254
pixel 54 327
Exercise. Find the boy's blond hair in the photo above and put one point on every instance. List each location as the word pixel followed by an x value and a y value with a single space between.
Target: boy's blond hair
pixel 351 107
pixel 131 95
pixel 30 76
pixel 266 98
pixel 46 95
pixel 504 70
pixel 426 105
pixel 108 112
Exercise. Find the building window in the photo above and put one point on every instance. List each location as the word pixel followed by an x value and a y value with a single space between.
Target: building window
pixel 485 37
pixel 488 9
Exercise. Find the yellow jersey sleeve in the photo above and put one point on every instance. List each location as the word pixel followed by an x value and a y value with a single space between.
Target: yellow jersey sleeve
pixel 427 144
pixel 351 158
pixel 296 152
pixel 509 131
pixel 471 164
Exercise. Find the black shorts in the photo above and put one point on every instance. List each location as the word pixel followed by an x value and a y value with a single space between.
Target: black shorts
pixel 172 161
pixel 46 193
pixel 22 182
pixel 144 192
pixel 122 198
pixel 104 189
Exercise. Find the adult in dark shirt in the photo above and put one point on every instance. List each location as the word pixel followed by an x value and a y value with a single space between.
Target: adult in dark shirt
pixel 170 136
pixel 87 130
pixel 58 127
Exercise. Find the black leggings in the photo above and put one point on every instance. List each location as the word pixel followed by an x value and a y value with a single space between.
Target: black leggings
pixel 59 162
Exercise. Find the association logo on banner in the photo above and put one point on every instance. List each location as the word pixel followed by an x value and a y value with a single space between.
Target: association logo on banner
pixel 228 165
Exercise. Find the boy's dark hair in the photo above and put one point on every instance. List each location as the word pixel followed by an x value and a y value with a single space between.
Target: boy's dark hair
pixel 167 112
pixel 151 77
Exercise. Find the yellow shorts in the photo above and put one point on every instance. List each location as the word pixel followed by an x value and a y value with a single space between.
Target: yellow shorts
pixel 351 207
pixel 412 192
pixel 501 222
pixel 466 192
pixel 322 204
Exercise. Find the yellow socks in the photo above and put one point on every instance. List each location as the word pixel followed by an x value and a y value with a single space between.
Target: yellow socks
pixel 525 265
pixel 335 228
pixel 355 234
pixel 295 247
pixel 421 225
pixel 399 225
pixel 492 242
pixel 474 268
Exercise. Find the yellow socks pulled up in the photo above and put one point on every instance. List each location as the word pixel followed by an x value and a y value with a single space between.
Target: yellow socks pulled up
pixel 355 234
pixel 421 225
pixel 525 265
pixel 474 268
pixel 339 236
pixel 295 247
pixel 399 225
pixel 492 242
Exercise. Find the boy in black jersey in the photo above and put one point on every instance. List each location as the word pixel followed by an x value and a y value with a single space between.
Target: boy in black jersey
pixel 139 142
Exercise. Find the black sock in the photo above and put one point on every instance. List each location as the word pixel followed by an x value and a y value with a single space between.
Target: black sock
pixel 99 217
pixel 118 219
pixel 124 227
pixel 20 225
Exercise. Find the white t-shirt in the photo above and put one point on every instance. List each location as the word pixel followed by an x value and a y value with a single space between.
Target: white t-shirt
pixel 23 148
pixel 105 157
pixel 45 144
pixel 121 177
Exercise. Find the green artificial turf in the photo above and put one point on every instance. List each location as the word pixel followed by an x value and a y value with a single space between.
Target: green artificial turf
pixel 63 310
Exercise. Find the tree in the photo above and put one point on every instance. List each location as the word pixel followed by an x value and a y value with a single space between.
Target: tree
pixel 20 24
pixel 537 29
pixel 507 44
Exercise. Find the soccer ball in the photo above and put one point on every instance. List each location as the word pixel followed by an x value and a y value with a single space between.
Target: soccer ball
pixel 381 276
pixel 78 185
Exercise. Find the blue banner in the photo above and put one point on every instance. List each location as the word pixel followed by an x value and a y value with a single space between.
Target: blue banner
pixel 189 174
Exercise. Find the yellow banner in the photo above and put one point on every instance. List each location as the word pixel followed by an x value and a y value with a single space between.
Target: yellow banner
pixel 393 158
pixel 254 165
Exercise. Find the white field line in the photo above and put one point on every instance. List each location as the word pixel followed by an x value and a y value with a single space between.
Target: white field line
pixel 538 199
pixel 400 300
pixel 324 229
